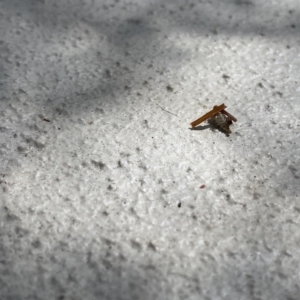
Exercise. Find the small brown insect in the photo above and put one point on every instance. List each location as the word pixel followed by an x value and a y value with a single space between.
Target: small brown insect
pixel 218 117
pixel 222 122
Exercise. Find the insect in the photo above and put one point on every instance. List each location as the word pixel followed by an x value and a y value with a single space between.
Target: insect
pixel 218 117
pixel 222 122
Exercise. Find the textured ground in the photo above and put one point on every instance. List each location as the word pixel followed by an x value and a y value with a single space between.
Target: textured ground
pixel 100 174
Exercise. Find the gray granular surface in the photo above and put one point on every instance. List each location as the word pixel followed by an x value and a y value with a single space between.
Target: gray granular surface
pixel 106 192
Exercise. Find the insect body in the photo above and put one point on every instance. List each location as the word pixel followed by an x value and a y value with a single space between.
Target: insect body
pixel 222 122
